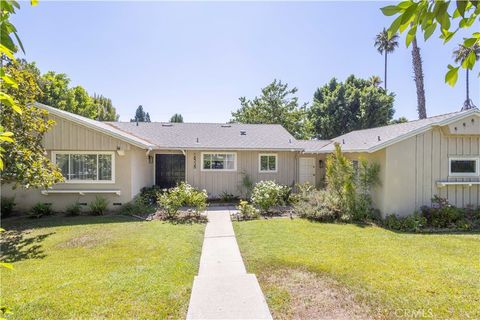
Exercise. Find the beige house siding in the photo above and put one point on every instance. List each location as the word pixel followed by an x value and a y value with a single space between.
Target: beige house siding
pixel 216 182
pixel 415 165
pixel 141 170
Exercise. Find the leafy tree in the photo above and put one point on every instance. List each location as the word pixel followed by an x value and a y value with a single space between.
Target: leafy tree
pixel 276 105
pixel 339 108
pixel 386 44
pixel 375 81
pixel 106 111
pixel 449 16
pixel 418 77
pixel 177 117
pixel 140 115
pixel 460 54
pixel 25 160
pixel 399 120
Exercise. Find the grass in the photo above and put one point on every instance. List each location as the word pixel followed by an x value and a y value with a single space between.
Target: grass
pixel 395 274
pixel 98 267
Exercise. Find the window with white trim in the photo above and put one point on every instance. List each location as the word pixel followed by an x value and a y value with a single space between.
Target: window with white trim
pixel 267 162
pixel 86 167
pixel 219 161
pixel 463 166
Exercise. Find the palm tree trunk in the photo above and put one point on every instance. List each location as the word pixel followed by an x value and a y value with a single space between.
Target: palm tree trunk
pixel 418 71
pixel 385 77
pixel 468 89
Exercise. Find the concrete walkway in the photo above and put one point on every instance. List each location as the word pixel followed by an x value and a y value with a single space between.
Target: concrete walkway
pixel 223 289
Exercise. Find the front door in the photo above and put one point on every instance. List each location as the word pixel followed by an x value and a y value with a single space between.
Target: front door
pixel 307 171
pixel 169 169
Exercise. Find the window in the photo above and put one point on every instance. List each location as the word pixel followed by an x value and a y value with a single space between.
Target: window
pixel 267 162
pixel 85 167
pixel 219 161
pixel 463 167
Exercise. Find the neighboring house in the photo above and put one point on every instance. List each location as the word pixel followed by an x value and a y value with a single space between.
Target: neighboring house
pixel 419 159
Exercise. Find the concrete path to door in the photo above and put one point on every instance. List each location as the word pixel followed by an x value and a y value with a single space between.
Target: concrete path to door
pixel 223 289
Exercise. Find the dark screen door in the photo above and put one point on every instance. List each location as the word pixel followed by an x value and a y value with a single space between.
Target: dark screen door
pixel 169 169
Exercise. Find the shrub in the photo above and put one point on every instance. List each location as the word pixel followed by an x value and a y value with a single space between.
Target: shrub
pixel 247 211
pixel 411 223
pixel 150 195
pixel 7 205
pixel 182 195
pixel 98 206
pixel 138 206
pixel 318 205
pixel 41 209
pixel 246 185
pixel 442 214
pixel 267 194
pixel 227 197
pixel 74 209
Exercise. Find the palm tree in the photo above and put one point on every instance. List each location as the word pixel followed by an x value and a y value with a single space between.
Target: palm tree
pixel 418 72
pixel 460 54
pixel 375 81
pixel 386 45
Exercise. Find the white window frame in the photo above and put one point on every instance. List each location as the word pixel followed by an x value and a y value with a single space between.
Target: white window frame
pixel 97 153
pixel 260 155
pixel 219 170
pixel 457 174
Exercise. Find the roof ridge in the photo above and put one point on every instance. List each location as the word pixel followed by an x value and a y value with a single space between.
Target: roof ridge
pixel 182 123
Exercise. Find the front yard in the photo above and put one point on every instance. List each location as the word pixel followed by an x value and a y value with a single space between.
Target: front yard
pixel 309 270
pixel 99 267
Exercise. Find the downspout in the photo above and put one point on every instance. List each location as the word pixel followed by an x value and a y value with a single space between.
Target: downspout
pixel 186 164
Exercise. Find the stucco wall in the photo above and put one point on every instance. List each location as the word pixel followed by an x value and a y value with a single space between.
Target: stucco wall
pixel 414 166
pixel 247 161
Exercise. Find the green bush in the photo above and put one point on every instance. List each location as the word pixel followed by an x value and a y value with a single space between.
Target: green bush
pixel 247 211
pixel 41 209
pixel 150 195
pixel 98 206
pixel 318 205
pixel 227 197
pixel 7 205
pixel 411 223
pixel 182 195
pixel 138 206
pixel 442 214
pixel 267 194
pixel 74 209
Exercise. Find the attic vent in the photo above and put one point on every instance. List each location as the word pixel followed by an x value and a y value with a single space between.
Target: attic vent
pixel 167 125
pixel 226 126
pixel 243 132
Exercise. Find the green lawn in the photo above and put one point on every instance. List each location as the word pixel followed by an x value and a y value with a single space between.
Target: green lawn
pixel 396 274
pixel 99 267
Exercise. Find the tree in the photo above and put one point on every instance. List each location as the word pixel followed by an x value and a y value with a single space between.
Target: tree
pixel 460 54
pixel 386 44
pixel 106 111
pixel 140 115
pixel 276 105
pixel 418 77
pixel 339 108
pixel 450 16
pixel 375 81
pixel 25 160
pixel 399 120
pixel 177 117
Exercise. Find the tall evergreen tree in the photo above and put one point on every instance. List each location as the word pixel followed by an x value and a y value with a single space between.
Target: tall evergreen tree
pixel 460 55
pixel 386 45
pixel 140 115
pixel 177 117
pixel 418 77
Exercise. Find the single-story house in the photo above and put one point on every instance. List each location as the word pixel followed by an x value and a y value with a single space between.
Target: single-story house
pixel 418 159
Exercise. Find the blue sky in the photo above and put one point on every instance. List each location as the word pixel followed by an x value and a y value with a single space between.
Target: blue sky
pixel 197 59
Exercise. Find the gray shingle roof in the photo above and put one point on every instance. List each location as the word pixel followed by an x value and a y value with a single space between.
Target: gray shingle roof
pixel 371 140
pixel 211 135
pixel 312 146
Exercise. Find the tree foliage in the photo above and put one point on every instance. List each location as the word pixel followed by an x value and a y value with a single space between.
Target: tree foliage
pixel 25 160
pixel 140 115
pixel 341 107
pixel 448 16
pixel 177 117
pixel 276 105
pixel 386 44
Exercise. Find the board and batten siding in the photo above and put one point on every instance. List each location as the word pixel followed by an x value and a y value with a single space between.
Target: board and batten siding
pixel 415 165
pixel 217 182
pixel 68 135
